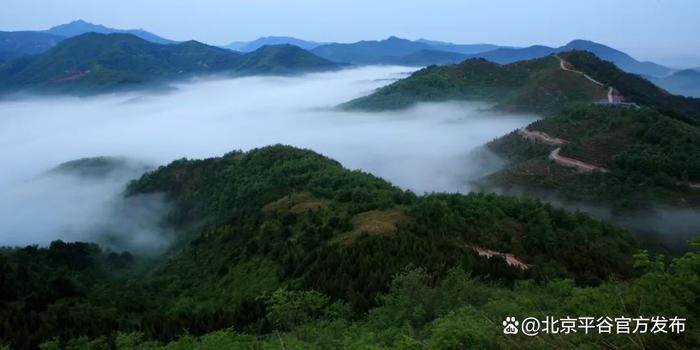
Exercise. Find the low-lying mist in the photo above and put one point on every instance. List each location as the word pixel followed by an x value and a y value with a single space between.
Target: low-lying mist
pixel 431 147
pixel 658 227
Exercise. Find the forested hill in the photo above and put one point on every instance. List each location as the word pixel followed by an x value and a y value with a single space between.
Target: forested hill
pixel 635 88
pixel 277 217
pixel 538 85
pixel 645 158
pixel 94 62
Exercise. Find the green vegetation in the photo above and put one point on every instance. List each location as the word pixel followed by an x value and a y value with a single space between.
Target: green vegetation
pixel 45 289
pixel 286 240
pixel 459 312
pixel 537 85
pixel 92 63
pixel 635 88
pixel 650 156
pixel 99 167
pixel 281 60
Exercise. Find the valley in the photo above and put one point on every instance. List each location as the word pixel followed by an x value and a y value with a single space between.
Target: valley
pixel 276 177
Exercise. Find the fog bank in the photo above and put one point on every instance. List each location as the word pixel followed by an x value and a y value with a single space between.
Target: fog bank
pixel 432 147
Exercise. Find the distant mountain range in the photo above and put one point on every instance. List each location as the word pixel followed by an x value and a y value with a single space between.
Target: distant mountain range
pixel 17 44
pixel 92 63
pixel 393 50
pixel 621 59
pixel 685 82
pixel 423 52
pixel 20 43
pixel 80 27
pixel 248 46
pixel 466 49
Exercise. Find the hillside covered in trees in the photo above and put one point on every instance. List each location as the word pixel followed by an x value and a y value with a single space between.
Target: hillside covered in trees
pixel 278 237
pixel 537 85
pixel 93 63
pixel 646 156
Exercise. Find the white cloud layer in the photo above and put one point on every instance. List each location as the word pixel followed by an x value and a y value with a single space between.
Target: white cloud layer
pixel 432 147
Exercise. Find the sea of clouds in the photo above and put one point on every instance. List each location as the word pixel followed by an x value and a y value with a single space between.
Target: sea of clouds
pixel 430 147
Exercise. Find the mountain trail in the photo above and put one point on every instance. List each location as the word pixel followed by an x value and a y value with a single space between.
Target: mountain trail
pixel 563 63
pixel 554 155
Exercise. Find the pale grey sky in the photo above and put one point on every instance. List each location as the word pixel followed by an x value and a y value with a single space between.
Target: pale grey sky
pixel 663 30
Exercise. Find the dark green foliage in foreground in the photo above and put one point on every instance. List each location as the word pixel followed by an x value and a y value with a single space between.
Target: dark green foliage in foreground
pixel 635 88
pixel 39 288
pixel 279 217
pixel 537 85
pixel 462 312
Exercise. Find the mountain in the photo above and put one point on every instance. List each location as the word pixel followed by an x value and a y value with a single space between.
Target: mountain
pixel 621 59
pixel 539 86
pixel 466 49
pixel 248 46
pixel 80 27
pixel 370 52
pixel 625 157
pixel 92 63
pixel 100 62
pixel 395 50
pixel 510 55
pixel 684 82
pixel 282 60
pixel 428 57
pixel 16 44
pixel 634 88
pixel 263 235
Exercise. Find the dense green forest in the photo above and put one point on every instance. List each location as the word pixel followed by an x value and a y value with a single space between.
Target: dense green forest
pixel 459 312
pixel 635 88
pixel 280 239
pixel 651 157
pixel 92 63
pixel 537 85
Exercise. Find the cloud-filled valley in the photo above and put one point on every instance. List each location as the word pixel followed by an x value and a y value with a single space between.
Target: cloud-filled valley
pixel 431 147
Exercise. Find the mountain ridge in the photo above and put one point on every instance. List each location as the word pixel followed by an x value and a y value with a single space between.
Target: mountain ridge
pixel 79 27
pixel 93 63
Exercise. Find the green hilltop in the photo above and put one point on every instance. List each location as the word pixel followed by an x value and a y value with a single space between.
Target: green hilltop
pixel 281 222
pixel 94 62
pixel 536 86
pixel 648 157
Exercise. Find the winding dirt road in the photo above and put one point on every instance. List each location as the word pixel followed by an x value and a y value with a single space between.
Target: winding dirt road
pixel 562 64
pixel 540 136
pixel 573 163
pixel 510 258
pixel 554 155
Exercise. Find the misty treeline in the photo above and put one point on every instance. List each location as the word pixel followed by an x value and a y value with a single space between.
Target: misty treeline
pixel 283 245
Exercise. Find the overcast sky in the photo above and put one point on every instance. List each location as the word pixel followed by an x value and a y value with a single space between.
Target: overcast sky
pixel 663 30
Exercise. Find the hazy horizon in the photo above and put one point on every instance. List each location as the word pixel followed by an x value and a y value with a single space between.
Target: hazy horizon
pixel 653 30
